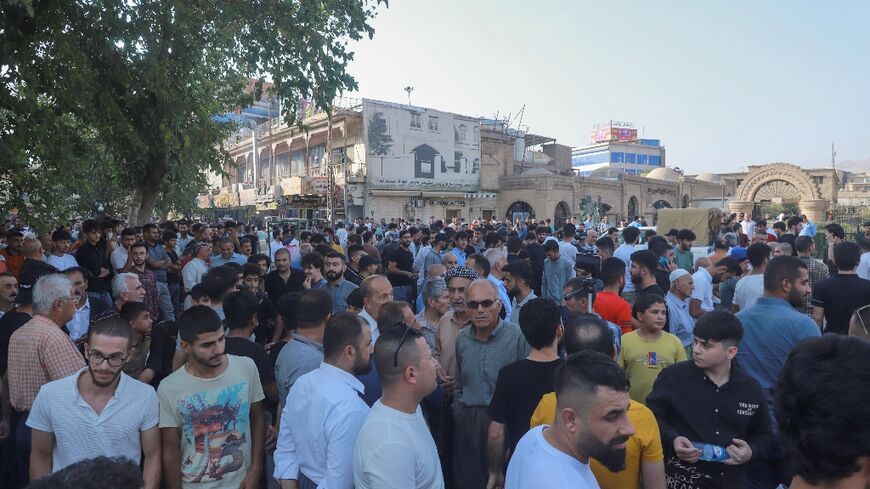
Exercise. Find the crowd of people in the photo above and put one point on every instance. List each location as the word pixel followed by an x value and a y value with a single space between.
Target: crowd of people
pixel 470 355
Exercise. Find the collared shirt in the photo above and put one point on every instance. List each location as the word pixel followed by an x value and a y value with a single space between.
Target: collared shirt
pixel 680 322
pixel 39 352
pixel 339 293
pixel 427 329
pixel 149 283
pixel 445 341
pixel 556 275
pixel 703 289
pixel 276 287
pixel 80 433
pixel 517 306
pixel 771 329
pixel 326 413
pixel 817 271
pixel 158 253
pixel 684 259
pixel 193 272
pixel 298 357
pixel 623 252
pixel 373 324
pixel 181 243
pixel 478 362
pixel 687 403
pixel 502 294
pixel 81 321
pixel 219 260
pixel 62 262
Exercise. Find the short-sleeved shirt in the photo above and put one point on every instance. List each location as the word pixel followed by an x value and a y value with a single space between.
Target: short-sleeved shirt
pixel 643 360
pixel 80 433
pixel 611 307
pixel 644 446
pixel 298 357
pixel 243 347
pixel 404 261
pixel 518 390
pixel 684 259
pixel 9 323
pixel 703 289
pixel 536 463
pixel 276 287
pixel 749 289
pixel 39 352
pixel 214 421
pixel 339 293
pixel 680 321
pixel 817 271
pixel 62 262
pixel 841 295
pixel 158 253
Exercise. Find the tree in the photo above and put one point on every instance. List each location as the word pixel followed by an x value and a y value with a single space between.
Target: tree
pixel 380 140
pixel 142 82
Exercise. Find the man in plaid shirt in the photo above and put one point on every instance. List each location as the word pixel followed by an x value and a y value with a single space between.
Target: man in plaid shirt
pixel 817 270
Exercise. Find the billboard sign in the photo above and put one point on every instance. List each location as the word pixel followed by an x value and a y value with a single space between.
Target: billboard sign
pixel 412 148
pixel 613 131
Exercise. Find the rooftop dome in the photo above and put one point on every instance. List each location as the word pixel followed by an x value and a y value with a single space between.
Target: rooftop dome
pixel 663 173
pixel 606 172
pixel 709 177
pixel 537 171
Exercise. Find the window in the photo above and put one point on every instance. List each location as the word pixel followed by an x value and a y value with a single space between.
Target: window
pixel 655 160
pixel 642 159
pixel 416 121
pixel 315 158
pixel 433 123
pixel 282 164
pixel 630 157
pixel 461 134
pixel 297 162
pixel 819 180
pixel 617 157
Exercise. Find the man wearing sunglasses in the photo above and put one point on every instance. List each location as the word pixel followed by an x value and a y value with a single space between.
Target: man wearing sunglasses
pixel 119 419
pixel 482 349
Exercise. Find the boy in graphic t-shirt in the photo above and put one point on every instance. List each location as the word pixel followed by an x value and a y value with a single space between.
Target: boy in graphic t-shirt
pixel 648 350
pixel 211 419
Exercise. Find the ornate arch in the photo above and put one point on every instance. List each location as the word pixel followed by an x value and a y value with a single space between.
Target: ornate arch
pixel 561 213
pixel 785 172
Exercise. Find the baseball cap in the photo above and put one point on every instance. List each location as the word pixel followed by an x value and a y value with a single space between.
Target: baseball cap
pixel 678 274
pixel 739 254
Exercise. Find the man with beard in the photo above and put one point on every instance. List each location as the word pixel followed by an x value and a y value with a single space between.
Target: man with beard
pixel 13 255
pixel 710 400
pixel 316 447
pixel 400 262
pixel 518 281
pixel 340 288
pixel 283 279
pixel 771 329
pixel 643 273
pixel 702 297
pixel 394 448
pixel 64 433
pixel 139 252
pixel 482 349
pixel 538 256
pixel 591 422
pixel 211 419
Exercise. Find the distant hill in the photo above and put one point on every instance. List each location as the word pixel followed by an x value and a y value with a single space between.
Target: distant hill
pixel 854 166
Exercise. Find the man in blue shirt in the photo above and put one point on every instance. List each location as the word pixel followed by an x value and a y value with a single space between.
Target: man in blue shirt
pixel 226 254
pixel 772 328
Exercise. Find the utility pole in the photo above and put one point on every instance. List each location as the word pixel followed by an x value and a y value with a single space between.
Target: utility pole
pixel 409 89
pixel 833 156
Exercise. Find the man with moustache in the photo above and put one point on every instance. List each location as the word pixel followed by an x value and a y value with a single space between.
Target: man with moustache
pixel 333 266
pixel 139 252
pixel 591 422
pixel 126 423
pixel 315 448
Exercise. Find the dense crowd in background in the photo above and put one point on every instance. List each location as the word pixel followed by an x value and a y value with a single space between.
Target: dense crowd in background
pixel 410 354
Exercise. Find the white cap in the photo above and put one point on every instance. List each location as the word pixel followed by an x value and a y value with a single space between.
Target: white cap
pixel 677 274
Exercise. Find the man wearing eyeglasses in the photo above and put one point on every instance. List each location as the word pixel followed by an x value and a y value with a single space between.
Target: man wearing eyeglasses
pixel 98 411
pixel 40 352
pixel 482 349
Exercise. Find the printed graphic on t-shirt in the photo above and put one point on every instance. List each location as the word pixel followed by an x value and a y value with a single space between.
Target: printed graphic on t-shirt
pixel 652 359
pixel 215 430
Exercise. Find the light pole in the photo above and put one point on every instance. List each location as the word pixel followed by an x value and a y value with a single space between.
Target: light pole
pixel 409 89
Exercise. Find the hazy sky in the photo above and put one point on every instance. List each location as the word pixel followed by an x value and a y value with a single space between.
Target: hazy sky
pixel 722 84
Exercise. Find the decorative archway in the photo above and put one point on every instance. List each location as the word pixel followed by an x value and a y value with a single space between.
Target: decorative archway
pixel 562 212
pixel 632 208
pixel 779 183
pixel 520 210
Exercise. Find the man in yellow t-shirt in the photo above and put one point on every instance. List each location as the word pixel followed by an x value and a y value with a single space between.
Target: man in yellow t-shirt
pixel 644 458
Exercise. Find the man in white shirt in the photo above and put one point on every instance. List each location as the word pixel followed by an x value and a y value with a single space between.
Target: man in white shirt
pixel 629 236
pixel 704 278
pixel 591 422
pixel 395 449
pixel 566 246
pixel 59 258
pixel 98 411
pixel 324 411
pixel 121 259
pixel 750 288
pixel 376 291
pixel 195 269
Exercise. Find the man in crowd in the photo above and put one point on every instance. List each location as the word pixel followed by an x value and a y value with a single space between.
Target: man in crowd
pixel 139 252
pixel 8 292
pixel 126 287
pixel 353 268
pixel 608 304
pixel 436 303
pixel 394 449
pixel 324 411
pixel 40 352
pixel 518 282
pixel 64 433
pixel 498 342
pixel 750 287
pixel 680 322
pixel 771 329
pixel 312 266
pixel 92 256
pixel 710 400
pixel 683 250
pixel 13 257
pixel 820 395
pixel 304 352
pixel 566 244
pixel 283 279
pixel 337 286
pixel 702 297
pixel 240 311
pixel 208 406
pixel 376 291
pixel 184 237
pixel 87 308
pixel 160 264
pixel 196 268
pixel 794 225
pixel 521 384
pixel 59 258
pixel 400 262
pixel 483 266
pixel 538 256
pixel 624 252
pixel 557 271
pixel 226 254
pixel 591 422
pixel 835 299
pixel 643 273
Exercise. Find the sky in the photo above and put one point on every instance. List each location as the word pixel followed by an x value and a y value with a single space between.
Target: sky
pixel 722 84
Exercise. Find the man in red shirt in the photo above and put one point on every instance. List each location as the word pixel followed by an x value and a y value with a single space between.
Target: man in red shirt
pixel 608 304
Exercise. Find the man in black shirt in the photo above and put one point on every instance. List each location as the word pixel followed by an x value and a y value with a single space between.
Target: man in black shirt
pixel 521 385
pixel 710 400
pixel 240 309
pixel 835 299
pixel 643 267
pixel 283 279
pixel 537 256
pixel 92 256
pixel 400 263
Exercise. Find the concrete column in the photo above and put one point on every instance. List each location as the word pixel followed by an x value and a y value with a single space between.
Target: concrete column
pixel 815 209
pixel 738 206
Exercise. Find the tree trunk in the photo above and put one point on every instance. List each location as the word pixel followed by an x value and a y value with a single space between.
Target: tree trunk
pixel 145 193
